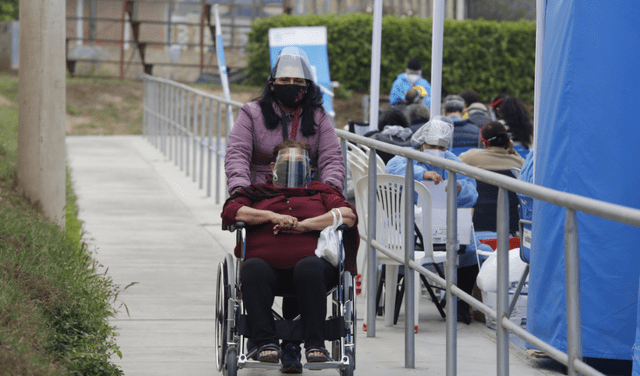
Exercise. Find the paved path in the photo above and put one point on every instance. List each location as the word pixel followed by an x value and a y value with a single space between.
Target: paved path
pixel 148 223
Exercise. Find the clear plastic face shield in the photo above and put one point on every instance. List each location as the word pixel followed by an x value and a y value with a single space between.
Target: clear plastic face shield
pixel 292 62
pixel 292 168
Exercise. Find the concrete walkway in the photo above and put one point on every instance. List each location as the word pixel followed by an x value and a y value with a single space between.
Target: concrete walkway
pixel 148 223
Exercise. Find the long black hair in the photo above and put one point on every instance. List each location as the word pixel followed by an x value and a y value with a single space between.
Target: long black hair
pixel 310 103
pixel 515 114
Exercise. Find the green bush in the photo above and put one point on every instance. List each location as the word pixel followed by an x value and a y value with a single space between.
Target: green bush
pixel 487 56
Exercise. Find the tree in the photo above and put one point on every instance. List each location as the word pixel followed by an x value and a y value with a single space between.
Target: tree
pixel 9 10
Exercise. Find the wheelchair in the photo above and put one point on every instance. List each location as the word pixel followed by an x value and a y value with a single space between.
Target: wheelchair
pixel 231 323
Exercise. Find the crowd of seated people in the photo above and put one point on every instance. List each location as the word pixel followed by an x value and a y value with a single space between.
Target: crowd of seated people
pixel 467 123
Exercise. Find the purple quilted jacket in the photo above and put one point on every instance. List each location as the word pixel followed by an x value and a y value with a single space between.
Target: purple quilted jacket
pixel 251 146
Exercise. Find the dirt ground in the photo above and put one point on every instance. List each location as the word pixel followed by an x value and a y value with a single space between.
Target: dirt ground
pixel 114 107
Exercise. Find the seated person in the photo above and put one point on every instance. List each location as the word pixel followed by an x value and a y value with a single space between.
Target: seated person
pixel 434 138
pixel 285 216
pixel 497 150
pixel 413 95
pixel 474 110
pixel 393 128
pixel 465 133
pixel 418 114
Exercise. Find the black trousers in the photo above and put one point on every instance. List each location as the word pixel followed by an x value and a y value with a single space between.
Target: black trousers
pixel 309 280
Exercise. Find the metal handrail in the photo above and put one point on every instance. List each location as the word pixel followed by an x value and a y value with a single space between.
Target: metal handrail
pixel 570 201
pixel 187 130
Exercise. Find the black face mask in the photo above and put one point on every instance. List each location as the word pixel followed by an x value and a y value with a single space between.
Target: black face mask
pixel 290 95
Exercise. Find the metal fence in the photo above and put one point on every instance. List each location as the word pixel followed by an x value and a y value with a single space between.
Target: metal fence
pixel 190 127
pixel 181 121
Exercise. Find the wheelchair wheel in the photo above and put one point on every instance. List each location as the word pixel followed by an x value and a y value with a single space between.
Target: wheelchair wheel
pixel 225 295
pixel 348 371
pixel 231 368
pixel 222 297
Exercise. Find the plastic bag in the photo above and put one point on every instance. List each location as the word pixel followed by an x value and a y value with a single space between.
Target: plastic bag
pixel 328 242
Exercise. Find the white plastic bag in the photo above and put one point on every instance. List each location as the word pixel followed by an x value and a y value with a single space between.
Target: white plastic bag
pixel 328 244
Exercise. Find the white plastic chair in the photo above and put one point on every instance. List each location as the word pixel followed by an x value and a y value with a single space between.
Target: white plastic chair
pixel 363 152
pixel 389 232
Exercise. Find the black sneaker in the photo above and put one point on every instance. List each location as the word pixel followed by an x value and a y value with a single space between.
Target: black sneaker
pixel 291 359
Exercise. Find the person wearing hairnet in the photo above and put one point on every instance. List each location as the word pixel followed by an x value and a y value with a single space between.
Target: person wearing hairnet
pixel 290 108
pixel 434 138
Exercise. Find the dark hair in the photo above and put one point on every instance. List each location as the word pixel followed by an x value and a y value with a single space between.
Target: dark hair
pixel 414 64
pixel 515 114
pixel 286 144
pixel 412 96
pixel 469 96
pixel 310 103
pixel 417 113
pixel 495 134
pixel 392 116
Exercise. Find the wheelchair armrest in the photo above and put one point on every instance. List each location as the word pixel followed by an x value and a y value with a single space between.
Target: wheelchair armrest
pixel 232 228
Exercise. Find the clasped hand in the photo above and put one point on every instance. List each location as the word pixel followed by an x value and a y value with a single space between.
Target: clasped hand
pixel 287 224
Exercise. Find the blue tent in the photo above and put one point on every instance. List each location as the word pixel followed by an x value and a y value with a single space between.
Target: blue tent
pixel 588 144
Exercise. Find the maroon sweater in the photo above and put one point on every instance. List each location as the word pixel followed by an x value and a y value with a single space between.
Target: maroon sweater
pixel 283 251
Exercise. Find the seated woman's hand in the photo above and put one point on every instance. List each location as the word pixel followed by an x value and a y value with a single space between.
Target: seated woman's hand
pixel 432 175
pixel 299 228
pixel 283 222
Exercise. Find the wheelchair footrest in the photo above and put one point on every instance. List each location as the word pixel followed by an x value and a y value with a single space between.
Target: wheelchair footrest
pixel 323 365
pixel 292 330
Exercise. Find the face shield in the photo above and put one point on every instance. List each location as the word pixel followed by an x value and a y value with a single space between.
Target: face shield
pixel 292 62
pixel 292 168
pixel 436 132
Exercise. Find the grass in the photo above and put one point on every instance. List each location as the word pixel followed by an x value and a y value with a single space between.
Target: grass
pixel 53 305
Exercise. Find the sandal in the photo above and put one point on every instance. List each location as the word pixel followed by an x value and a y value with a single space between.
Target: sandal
pixel 323 357
pixel 269 353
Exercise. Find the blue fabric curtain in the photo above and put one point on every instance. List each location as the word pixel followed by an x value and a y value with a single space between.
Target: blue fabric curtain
pixel 588 144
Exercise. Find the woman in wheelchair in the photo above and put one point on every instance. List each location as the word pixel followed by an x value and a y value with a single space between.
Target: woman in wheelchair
pixel 285 216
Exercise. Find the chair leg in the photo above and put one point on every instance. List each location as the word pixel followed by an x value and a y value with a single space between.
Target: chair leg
pixel 433 296
pixel 380 309
pixel 390 293
pixel 399 296
pixel 516 295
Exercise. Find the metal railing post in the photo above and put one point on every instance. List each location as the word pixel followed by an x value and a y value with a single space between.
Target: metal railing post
pixel 502 297
pixel 195 135
pixel 183 112
pixel 187 135
pixel 203 143
pixel 145 99
pixel 170 120
pixel 409 273
pixel 210 149
pixel 451 273
pixel 218 137
pixel 372 264
pixel 572 280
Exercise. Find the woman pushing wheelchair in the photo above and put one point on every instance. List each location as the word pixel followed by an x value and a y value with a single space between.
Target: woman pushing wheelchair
pixel 285 216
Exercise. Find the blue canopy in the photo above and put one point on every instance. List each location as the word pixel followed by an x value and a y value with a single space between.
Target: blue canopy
pixel 588 144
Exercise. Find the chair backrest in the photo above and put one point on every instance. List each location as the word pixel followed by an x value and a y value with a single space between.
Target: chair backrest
pixel 485 209
pixel 362 151
pixel 390 208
